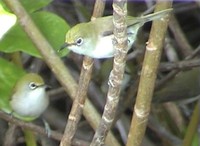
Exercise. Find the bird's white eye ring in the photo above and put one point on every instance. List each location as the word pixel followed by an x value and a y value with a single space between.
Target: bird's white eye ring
pixel 79 41
pixel 32 86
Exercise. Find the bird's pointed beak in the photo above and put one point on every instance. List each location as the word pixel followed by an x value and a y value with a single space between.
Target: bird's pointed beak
pixel 47 87
pixel 63 46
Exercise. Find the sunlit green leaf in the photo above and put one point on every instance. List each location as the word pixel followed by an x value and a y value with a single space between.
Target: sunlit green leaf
pixel 7 20
pixel 34 5
pixel 53 28
pixel 9 74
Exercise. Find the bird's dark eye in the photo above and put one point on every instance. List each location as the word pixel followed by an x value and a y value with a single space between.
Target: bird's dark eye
pixel 32 86
pixel 79 41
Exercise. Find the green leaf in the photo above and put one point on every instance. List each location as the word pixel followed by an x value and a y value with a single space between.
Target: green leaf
pixel 34 5
pixel 53 28
pixel 7 20
pixel 30 5
pixel 3 5
pixel 9 74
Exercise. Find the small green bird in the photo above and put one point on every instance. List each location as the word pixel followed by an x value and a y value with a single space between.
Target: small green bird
pixel 95 38
pixel 29 99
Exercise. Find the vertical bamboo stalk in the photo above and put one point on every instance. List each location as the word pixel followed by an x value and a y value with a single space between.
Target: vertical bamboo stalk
pixel 55 63
pixel 116 75
pixel 148 77
pixel 85 76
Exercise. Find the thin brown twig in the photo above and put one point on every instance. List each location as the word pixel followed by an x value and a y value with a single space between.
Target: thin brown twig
pixel 125 101
pixel 116 75
pixel 176 116
pixel 55 135
pixel 181 65
pixel 78 104
pixel 162 132
pixel 38 129
pixel 148 78
pixel 170 50
pixel 174 72
pixel 85 76
pixel 184 45
pixel 54 62
pixel 10 138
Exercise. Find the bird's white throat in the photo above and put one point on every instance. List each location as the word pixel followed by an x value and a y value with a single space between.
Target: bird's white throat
pixel 30 103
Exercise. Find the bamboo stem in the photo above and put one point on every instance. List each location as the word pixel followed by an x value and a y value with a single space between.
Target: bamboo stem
pixel 78 104
pixel 116 75
pixel 148 77
pixel 54 62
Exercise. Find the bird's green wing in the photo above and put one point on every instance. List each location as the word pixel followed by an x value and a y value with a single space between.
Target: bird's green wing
pixel 104 25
